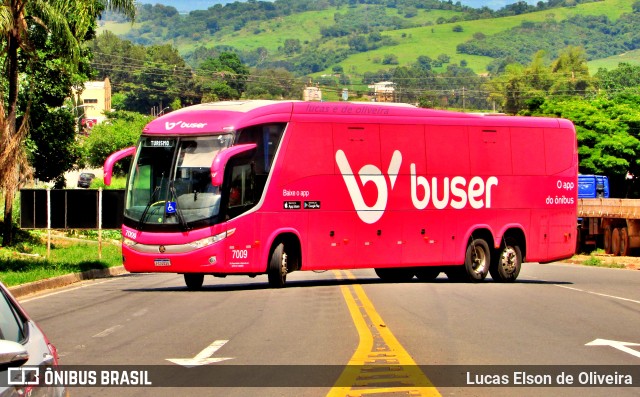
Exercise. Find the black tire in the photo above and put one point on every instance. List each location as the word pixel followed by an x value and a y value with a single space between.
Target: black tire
pixel 579 245
pixel 606 240
pixel 506 265
pixel 427 273
pixel 625 250
pixel 193 281
pixel 277 271
pixel 615 242
pixel 395 275
pixel 477 260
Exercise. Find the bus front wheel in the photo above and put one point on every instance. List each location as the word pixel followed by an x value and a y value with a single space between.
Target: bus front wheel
pixel 277 272
pixel 193 281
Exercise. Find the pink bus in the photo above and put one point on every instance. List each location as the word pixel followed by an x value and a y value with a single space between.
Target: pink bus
pixel 271 187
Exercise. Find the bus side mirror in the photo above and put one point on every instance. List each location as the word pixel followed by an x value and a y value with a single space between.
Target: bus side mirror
pixel 223 157
pixel 114 158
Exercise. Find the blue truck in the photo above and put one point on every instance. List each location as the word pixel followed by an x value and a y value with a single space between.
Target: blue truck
pixel 593 186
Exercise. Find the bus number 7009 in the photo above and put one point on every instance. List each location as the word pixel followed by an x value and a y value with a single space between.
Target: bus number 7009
pixel 240 254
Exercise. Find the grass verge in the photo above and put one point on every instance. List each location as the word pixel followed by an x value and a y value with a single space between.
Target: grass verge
pixel 599 258
pixel 27 260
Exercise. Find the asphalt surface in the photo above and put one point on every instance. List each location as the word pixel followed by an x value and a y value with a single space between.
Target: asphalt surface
pixel 554 317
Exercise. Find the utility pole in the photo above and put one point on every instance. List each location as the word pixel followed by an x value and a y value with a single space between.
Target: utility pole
pixel 463 99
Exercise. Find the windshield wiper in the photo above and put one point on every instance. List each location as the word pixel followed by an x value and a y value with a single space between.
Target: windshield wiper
pixel 174 198
pixel 143 217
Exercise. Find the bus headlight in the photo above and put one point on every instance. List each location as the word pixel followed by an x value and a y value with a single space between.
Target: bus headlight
pixel 128 242
pixel 205 242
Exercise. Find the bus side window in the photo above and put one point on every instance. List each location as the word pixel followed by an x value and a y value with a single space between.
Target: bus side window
pixel 267 137
pixel 241 190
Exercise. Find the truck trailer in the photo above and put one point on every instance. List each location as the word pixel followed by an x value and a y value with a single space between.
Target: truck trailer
pixel 605 222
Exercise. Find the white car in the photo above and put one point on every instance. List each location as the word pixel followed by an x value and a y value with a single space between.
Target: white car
pixel 25 352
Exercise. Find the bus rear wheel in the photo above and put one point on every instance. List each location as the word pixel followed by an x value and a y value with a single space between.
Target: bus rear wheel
pixel 277 271
pixel 194 281
pixel 506 265
pixel 477 260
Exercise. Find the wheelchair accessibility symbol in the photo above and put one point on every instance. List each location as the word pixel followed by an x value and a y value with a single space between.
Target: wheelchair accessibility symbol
pixel 170 207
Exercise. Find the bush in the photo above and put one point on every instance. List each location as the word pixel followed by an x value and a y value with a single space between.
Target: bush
pixel 121 130
pixel 593 261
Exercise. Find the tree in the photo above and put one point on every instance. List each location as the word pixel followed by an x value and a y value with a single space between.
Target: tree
pixel 123 130
pixel 572 71
pixel 606 138
pixel 525 88
pixel 224 77
pixel 163 78
pixel 390 59
pixel 509 88
pixel 51 142
pixel 623 77
pixel 424 62
pixel 291 46
pixel 69 23
pixel 273 84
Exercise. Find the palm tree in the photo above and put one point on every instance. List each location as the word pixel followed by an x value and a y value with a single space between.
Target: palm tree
pixel 68 21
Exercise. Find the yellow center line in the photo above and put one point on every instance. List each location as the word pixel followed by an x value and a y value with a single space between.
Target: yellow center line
pixel 380 364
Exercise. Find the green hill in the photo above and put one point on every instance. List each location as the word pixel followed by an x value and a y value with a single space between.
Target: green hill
pixel 610 63
pixel 427 36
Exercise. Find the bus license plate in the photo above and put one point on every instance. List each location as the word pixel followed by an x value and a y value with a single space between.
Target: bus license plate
pixel 162 262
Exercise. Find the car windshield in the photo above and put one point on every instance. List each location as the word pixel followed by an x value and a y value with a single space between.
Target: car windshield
pixel 170 181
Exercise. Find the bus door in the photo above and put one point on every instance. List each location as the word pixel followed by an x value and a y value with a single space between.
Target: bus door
pixel 245 179
pixel 240 195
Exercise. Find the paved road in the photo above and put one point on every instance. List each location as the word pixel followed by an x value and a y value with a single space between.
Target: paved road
pixel 322 321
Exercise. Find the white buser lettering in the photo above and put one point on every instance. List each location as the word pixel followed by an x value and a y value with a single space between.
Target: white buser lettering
pixel 452 193
pixel 445 192
pixel 458 192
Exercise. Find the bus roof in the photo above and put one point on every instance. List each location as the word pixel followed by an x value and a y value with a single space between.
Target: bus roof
pixel 232 115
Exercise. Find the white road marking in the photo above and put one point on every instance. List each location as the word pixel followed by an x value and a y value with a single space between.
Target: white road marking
pixel 622 346
pixel 65 290
pixel 204 357
pixel 107 331
pixel 599 294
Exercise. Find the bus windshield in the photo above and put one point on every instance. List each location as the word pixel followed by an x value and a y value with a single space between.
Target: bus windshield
pixel 169 184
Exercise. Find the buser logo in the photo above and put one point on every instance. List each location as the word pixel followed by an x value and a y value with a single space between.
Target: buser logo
pixel 369 173
pixel 453 193
pixel 171 125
